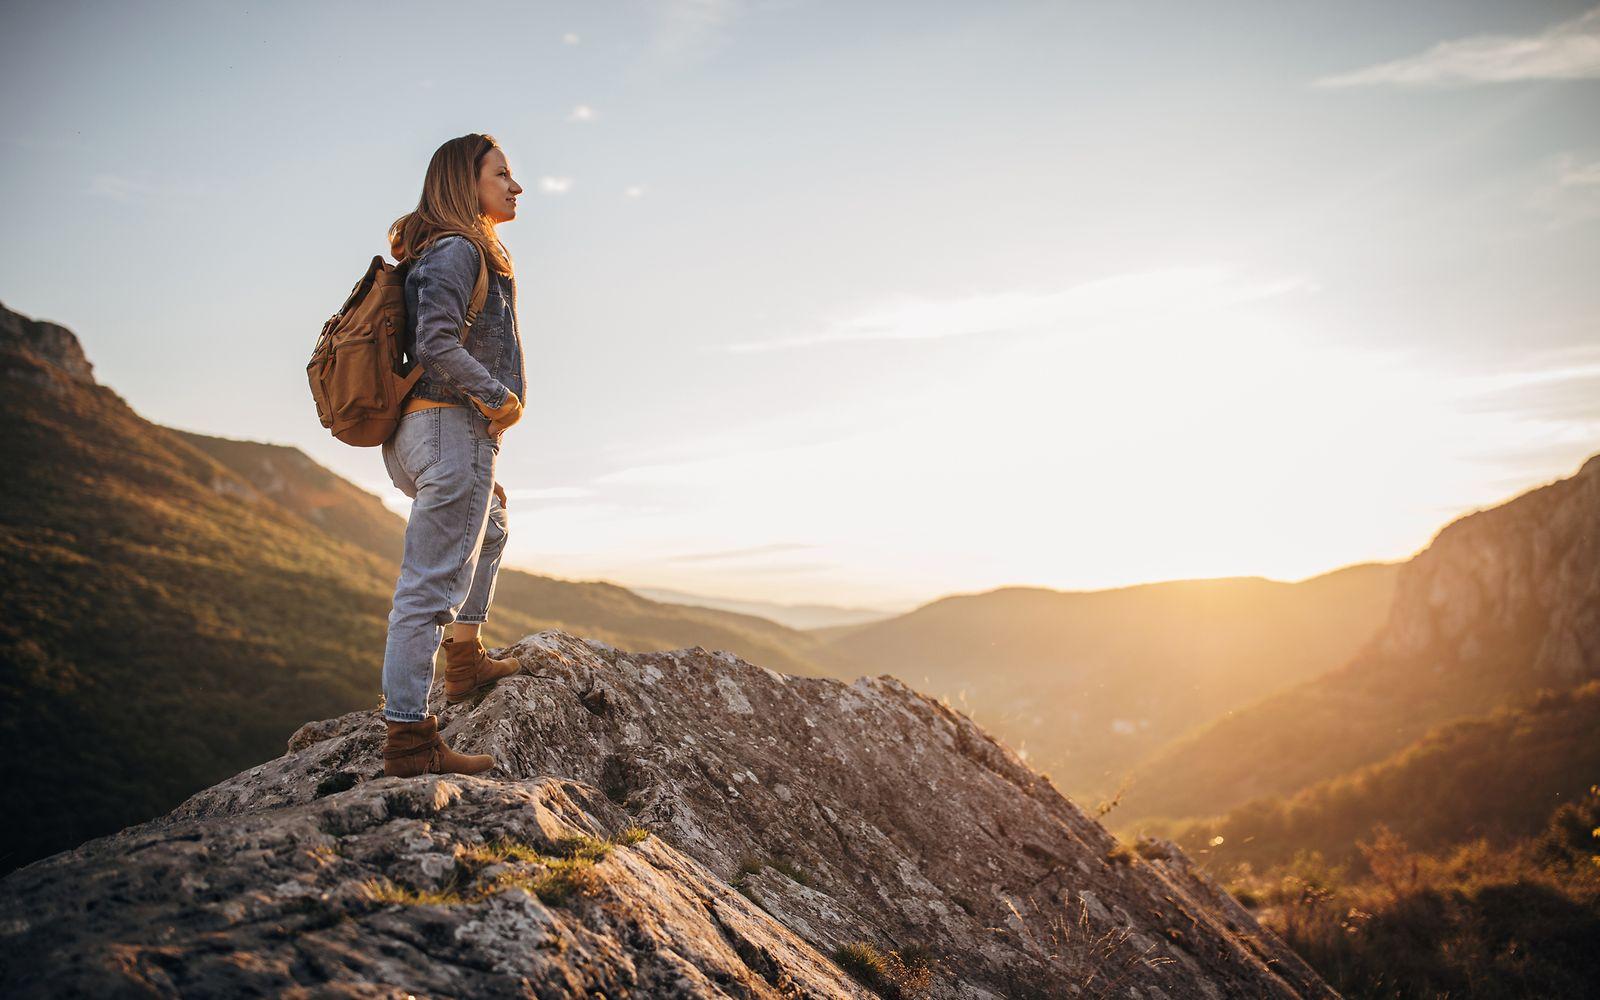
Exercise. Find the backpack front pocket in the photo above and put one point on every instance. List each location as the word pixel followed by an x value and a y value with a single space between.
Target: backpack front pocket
pixel 356 378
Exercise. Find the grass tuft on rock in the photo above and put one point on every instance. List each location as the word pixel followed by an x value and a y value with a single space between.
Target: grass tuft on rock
pixel 632 834
pixel 554 878
pixel 890 974
pixel 385 890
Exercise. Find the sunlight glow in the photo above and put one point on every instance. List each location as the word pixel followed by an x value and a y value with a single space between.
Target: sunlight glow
pixel 1174 423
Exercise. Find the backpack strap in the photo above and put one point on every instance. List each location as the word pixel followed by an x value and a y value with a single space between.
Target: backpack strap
pixel 480 292
pixel 480 295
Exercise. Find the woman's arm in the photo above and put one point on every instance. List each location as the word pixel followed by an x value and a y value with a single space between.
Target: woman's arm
pixel 445 275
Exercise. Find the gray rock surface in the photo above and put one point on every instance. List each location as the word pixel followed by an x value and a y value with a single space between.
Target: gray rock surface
pixel 788 816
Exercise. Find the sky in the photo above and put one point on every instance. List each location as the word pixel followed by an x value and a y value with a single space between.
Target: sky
pixel 867 304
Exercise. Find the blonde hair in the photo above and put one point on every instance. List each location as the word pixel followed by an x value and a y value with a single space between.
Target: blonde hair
pixel 449 205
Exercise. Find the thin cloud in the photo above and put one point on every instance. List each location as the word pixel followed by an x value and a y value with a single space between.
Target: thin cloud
pixel 1118 299
pixel 581 113
pixel 1538 362
pixel 742 553
pixel 1567 51
pixel 1586 175
pixel 570 38
pixel 555 185
pixel 790 437
pixel 689 29
pixel 550 493
pixel 1567 395
pixel 1567 192
pixel 773 569
pixel 395 500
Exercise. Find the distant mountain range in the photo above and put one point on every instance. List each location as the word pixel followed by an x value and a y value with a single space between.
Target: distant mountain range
pixel 1090 683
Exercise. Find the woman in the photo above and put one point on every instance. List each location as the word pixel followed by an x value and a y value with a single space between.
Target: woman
pixel 444 450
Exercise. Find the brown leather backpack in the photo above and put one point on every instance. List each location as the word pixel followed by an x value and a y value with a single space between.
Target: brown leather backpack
pixel 359 371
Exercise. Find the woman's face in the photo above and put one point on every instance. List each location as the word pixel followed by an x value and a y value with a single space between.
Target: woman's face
pixel 497 192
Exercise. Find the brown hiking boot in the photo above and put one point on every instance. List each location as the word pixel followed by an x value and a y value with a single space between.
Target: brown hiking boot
pixel 468 669
pixel 413 748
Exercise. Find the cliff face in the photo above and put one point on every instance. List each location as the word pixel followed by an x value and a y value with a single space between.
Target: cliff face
pixel 1502 602
pixel 788 816
pixel 1513 589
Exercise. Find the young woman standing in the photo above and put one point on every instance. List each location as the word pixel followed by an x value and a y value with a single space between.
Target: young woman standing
pixel 444 451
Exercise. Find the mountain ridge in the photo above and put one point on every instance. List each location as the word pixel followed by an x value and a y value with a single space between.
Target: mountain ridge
pixel 1127 669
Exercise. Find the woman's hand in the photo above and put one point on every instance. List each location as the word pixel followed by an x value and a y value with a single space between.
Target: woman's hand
pixel 500 491
pixel 500 417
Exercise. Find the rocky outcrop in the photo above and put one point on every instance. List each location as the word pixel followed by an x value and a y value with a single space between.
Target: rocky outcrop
pixel 1513 587
pixel 48 342
pixel 788 818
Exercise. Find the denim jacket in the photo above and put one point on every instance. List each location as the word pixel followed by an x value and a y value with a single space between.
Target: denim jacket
pixel 438 290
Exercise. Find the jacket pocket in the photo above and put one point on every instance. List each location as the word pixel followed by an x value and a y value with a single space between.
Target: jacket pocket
pixel 487 345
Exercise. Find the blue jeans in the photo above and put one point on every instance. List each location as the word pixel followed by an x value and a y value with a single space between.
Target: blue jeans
pixel 444 459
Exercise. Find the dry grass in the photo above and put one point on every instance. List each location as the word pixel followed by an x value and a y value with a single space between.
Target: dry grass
pixel 498 851
pixel 554 882
pixel 1103 964
pixel 554 878
pixel 1472 920
pixel 384 890
pixel 632 834
pixel 893 975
